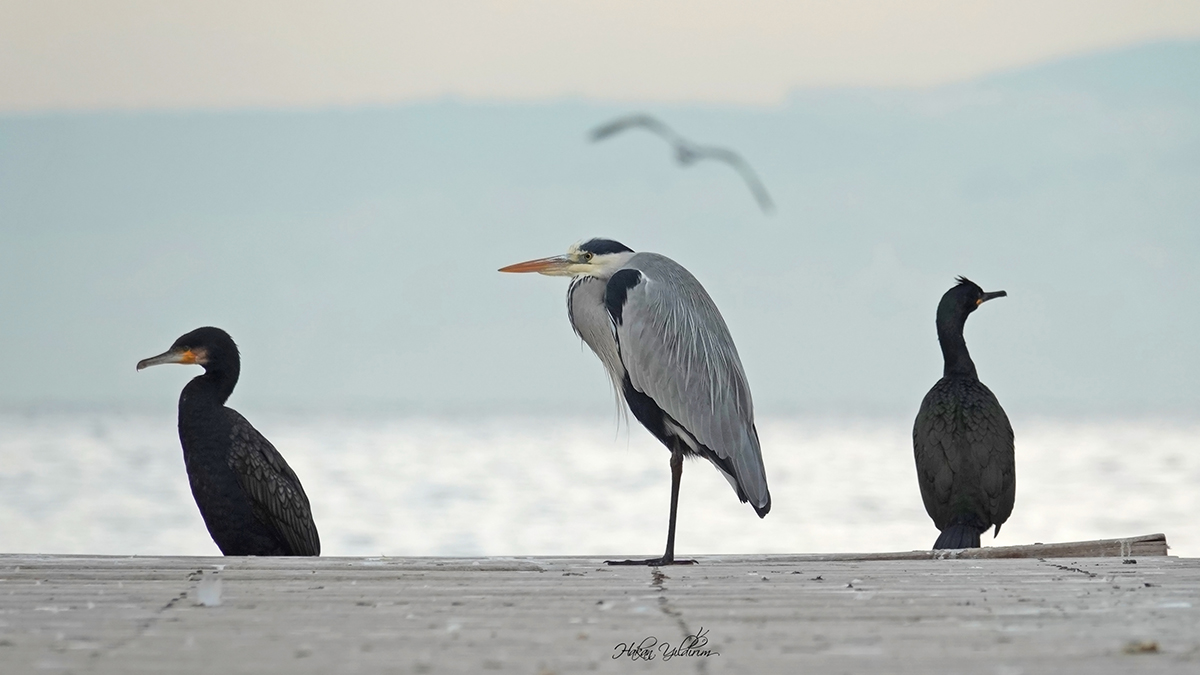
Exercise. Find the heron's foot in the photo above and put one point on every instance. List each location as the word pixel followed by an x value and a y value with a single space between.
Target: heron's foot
pixel 652 562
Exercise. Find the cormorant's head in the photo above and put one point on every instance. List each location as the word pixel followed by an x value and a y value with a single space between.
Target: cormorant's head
pixel 206 347
pixel 963 299
pixel 594 257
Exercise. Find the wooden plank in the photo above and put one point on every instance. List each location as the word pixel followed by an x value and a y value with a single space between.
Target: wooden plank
pixel 1141 546
pixel 759 614
pixel 1131 547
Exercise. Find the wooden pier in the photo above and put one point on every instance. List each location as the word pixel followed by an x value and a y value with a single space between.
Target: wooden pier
pixel 1133 610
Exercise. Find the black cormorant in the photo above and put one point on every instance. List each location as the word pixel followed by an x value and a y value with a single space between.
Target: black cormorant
pixel 249 497
pixel 962 439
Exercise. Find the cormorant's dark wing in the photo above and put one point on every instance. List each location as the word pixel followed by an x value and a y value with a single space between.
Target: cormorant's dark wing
pixel 274 490
pixel 635 121
pixel 991 437
pixel 743 168
pixel 935 448
pixel 963 446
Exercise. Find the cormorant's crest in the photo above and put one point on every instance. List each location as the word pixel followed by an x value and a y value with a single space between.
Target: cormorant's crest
pixel 603 246
pixel 963 281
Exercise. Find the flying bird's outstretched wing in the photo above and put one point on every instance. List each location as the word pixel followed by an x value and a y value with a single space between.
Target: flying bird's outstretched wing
pixel 688 153
pixel 743 168
pixel 634 121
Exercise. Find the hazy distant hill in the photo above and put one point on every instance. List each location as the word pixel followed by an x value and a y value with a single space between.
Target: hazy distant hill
pixel 352 253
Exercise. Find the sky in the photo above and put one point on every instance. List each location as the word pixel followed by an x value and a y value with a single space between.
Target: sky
pixel 338 189
pixel 352 253
pixel 147 54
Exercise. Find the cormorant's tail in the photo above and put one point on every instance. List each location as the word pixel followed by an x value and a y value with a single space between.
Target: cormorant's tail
pixel 958 536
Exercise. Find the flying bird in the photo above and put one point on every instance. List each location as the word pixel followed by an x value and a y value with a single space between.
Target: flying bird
pixel 670 355
pixel 250 499
pixel 962 440
pixel 688 153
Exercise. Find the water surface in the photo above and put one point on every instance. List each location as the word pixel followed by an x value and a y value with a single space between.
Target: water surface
pixel 114 483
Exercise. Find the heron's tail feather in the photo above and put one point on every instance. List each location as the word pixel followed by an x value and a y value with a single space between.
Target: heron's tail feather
pixel 763 510
pixel 759 498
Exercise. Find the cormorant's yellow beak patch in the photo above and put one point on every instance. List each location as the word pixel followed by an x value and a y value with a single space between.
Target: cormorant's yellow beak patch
pixel 187 356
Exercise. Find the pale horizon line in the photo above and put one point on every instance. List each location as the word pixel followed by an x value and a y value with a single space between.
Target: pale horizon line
pixel 781 103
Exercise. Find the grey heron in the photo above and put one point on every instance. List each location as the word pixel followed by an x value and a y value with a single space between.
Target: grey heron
pixel 250 499
pixel 670 355
pixel 962 440
pixel 688 153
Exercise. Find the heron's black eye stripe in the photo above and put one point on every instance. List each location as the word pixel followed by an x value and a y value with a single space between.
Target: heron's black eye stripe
pixel 602 246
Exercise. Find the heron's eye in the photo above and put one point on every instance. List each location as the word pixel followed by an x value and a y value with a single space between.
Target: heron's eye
pixel 588 255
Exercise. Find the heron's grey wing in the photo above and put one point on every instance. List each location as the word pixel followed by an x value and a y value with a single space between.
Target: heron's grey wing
pixel 677 350
pixel 744 169
pixel 990 436
pixel 643 121
pixel 275 491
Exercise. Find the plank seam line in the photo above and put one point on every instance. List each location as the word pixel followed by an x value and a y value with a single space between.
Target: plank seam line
pixel 1068 568
pixel 142 626
pixel 664 605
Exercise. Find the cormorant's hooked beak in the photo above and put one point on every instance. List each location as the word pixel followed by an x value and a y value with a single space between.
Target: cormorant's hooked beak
pixel 991 296
pixel 185 356
pixel 557 266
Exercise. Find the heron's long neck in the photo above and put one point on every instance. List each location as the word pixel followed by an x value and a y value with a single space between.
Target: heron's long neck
pixel 955 356
pixel 591 321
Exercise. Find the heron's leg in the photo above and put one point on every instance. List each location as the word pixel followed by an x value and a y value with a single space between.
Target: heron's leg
pixel 668 557
pixel 676 478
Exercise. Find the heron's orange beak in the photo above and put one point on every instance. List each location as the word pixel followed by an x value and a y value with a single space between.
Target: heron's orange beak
pixel 552 266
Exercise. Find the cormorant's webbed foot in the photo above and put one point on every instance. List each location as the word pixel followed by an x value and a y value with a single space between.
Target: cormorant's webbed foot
pixel 652 562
